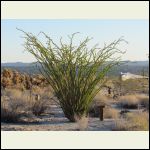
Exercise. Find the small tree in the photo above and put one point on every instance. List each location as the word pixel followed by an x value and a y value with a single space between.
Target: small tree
pixel 76 73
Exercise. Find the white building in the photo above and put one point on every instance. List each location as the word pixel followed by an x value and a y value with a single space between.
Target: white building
pixel 125 76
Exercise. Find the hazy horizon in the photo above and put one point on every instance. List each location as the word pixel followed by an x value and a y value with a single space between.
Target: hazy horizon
pixel 136 32
pixel 36 61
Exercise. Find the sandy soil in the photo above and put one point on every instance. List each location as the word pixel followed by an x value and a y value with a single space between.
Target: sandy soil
pixel 56 121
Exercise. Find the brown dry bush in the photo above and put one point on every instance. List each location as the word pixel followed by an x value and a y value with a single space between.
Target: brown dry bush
pixel 134 85
pixel 98 100
pixel 38 107
pixel 16 104
pixel 44 92
pixel 128 102
pixel 111 113
pixel 143 100
pixel 82 122
pixel 38 101
pixel 133 101
pixel 133 122
pixel 11 109
pixel 41 104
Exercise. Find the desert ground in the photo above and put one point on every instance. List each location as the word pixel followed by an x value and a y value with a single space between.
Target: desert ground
pixel 56 121
pixel 29 104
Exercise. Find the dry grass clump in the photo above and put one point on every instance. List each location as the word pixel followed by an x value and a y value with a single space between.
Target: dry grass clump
pixel 16 104
pixel 133 101
pixel 111 113
pixel 11 109
pixel 38 106
pixel 121 125
pixel 41 100
pixel 18 96
pixel 128 102
pixel 13 93
pixel 45 92
pixel 101 99
pixel 98 100
pixel 82 122
pixel 134 85
pixel 143 100
pixel 139 120
pixel 133 122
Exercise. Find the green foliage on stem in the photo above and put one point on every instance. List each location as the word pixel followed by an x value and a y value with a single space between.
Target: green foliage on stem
pixel 76 73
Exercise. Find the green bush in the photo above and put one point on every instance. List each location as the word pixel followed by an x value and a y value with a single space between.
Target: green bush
pixel 76 73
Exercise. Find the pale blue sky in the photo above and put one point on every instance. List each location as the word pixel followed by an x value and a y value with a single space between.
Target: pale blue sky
pixel 136 32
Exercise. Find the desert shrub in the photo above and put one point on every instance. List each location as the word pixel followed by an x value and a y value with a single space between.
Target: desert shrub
pixel 143 100
pixel 41 100
pixel 75 72
pixel 98 100
pixel 44 92
pixel 3 92
pixel 11 110
pixel 101 99
pixel 38 106
pixel 132 101
pixel 133 122
pixel 121 125
pixel 128 101
pixel 13 93
pixel 111 113
pixel 8 115
pixel 130 86
pixel 21 103
pixel 139 120
pixel 19 96
pixel 82 122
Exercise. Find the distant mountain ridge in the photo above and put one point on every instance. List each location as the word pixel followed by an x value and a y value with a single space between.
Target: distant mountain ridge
pixel 32 63
pixel 135 67
pixel 16 64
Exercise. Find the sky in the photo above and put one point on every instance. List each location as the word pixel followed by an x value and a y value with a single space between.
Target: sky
pixel 136 32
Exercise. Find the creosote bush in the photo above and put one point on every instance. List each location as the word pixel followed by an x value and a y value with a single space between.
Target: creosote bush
pixel 75 72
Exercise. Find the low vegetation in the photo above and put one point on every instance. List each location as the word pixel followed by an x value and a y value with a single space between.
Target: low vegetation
pixel 143 100
pixel 98 100
pixel 134 101
pixel 111 113
pixel 29 105
pixel 133 122
pixel 16 104
pixel 82 123
pixel 128 101
pixel 13 107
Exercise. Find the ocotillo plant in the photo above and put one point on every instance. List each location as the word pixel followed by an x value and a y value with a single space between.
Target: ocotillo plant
pixel 75 72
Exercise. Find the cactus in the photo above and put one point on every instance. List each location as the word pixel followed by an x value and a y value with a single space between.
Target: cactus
pixel 76 73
